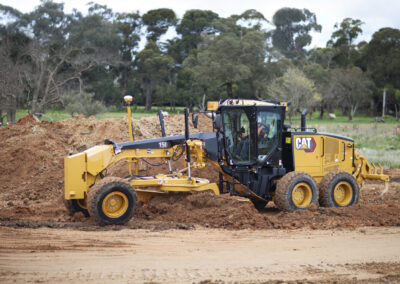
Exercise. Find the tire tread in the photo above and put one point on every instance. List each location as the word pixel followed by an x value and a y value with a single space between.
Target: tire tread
pixel 282 197
pixel 325 190
pixel 94 197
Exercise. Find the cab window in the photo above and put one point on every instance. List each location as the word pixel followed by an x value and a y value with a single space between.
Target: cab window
pixel 267 132
pixel 237 135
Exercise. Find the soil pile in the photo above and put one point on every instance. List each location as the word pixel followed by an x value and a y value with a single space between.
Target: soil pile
pixel 31 183
pixel 238 213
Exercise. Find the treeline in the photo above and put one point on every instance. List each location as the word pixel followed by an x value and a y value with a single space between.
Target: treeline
pixel 84 62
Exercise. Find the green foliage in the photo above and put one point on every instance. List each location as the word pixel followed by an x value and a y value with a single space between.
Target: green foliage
pixel 350 88
pixel 237 55
pixel 193 25
pixel 54 52
pixel 292 28
pixel 342 40
pixel 383 57
pixel 158 21
pixel 82 103
pixel 345 34
pixel 152 68
pixel 296 88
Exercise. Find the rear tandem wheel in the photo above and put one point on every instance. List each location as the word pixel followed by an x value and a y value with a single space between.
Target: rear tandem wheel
pixel 338 189
pixel 295 190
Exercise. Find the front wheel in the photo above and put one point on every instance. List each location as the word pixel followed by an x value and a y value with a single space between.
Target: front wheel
pixel 112 201
pixel 294 191
pixel 338 189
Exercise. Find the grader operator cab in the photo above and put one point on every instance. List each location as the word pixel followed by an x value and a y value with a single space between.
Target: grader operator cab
pixel 256 154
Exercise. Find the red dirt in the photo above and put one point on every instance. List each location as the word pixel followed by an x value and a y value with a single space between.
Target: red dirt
pixel 31 184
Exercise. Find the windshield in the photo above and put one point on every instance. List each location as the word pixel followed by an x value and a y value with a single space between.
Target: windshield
pixel 267 132
pixel 238 140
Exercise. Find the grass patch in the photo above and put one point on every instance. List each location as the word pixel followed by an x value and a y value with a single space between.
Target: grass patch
pixel 340 119
pixel 388 158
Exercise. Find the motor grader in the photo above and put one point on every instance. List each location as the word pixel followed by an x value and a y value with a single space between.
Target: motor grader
pixel 256 154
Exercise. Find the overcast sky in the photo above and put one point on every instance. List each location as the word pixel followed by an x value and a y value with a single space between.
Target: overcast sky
pixel 375 14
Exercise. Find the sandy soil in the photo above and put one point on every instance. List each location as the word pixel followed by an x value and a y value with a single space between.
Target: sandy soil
pixel 208 255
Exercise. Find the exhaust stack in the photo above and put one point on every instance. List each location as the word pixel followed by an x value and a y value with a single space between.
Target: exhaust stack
pixel 303 120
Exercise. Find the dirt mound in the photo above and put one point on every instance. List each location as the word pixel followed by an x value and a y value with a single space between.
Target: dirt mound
pixel 31 183
pixel 203 209
pixel 208 210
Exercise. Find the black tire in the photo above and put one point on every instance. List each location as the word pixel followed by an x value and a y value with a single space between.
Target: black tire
pixel 259 204
pixel 108 193
pixel 338 189
pixel 294 191
pixel 76 205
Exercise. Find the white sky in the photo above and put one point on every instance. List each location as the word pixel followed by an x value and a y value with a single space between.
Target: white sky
pixel 375 14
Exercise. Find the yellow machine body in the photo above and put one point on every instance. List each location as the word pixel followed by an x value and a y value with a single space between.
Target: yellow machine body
pixel 319 154
pixel 82 170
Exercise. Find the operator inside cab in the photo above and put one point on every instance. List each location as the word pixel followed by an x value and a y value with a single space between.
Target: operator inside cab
pixel 266 132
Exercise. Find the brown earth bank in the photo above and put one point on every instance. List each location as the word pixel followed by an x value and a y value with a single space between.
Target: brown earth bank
pixel 31 184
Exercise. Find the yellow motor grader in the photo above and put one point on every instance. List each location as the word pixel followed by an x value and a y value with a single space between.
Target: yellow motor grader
pixel 256 154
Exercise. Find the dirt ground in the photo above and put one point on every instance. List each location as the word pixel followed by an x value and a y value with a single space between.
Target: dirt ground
pixel 369 255
pixel 189 237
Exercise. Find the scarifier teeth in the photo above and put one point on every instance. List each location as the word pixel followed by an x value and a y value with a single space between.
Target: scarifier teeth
pixel 381 168
pixel 386 188
pixel 374 170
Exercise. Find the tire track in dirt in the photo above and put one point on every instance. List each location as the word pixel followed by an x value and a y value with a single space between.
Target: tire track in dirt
pixel 216 256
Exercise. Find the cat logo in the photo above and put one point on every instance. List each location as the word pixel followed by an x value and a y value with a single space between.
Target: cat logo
pixel 305 143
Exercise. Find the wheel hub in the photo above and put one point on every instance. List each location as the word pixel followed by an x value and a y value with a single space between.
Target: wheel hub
pixel 301 195
pixel 298 195
pixel 339 193
pixel 343 193
pixel 115 204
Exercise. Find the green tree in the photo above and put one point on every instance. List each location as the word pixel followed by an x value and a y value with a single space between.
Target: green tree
pixel 10 85
pixel 350 88
pixel 320 77
pixel 193 25
pixel 380 58
pixel 152 68
pixel 343 39
pixel 296 88
pixel 158 21
pixel 235 56
pixel 100 38
pixel 322 56
pixel 128 26
pixel 383 57
pixel 292 30
pixel 63 47
pixel 12 42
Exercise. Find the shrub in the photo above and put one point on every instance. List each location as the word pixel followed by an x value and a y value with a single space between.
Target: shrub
pixel 113 108
pixel 82 103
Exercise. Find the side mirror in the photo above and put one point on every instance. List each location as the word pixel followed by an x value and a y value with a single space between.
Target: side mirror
pixel 195 120
pixel 217 122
